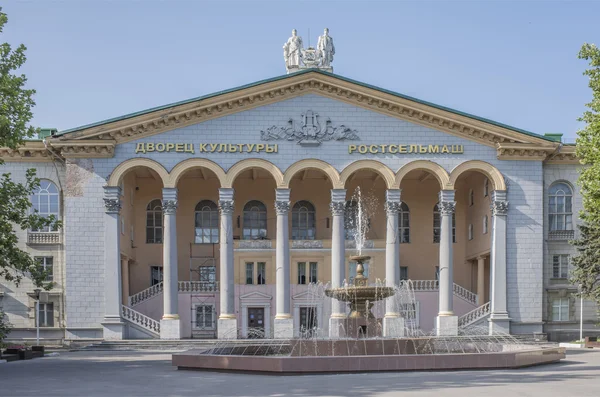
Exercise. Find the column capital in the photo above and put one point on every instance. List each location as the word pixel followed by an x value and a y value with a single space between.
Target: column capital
pixel 169 201
pixel 499 204
pixel 446 204
pixel 226 202
pixel 112 199
pixel 338 202
pixel 282 207
pixel 392 201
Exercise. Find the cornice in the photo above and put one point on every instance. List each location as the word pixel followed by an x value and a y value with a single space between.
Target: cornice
pixel 28 152
pixel 98 148
pixel 523 151
pixel 159 121
pixel 565 155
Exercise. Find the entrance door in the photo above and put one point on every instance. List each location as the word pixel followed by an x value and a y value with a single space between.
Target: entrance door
pixel 256 322
pixel 308 321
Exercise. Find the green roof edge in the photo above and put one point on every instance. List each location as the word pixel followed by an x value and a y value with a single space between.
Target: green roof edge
pixel 282 77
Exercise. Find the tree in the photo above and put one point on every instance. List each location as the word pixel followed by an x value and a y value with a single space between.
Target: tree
pixel 586 264
pixel 16 105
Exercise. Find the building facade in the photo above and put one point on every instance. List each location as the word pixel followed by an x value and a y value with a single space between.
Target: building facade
pixel 220 217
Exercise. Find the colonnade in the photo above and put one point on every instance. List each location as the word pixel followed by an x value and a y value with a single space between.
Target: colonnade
pixel 446 321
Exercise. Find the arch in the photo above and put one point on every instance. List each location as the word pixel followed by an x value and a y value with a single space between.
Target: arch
pixel 485 168
pixel 426 165
pixel 186 165
pixel 128 165
pixel 247 164
pixel 383 170
pixel 328 169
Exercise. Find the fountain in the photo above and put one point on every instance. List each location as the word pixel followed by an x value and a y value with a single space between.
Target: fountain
pixel 360 345
pixel 361 322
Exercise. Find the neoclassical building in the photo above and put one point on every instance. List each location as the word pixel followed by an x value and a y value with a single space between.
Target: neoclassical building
pixel 218 216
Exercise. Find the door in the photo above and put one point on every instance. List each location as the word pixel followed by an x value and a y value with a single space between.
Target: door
pixel 308 321
pixel 256 322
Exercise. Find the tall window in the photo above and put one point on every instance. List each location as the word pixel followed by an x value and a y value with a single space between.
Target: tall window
pixel 261 273
pixel 485 224
pixel 486 187
pixel 46 315
pixel 437 224
pixel 305 275
pixel 46 264
pixel 351 219
pixel 207 223
pixel 301 272
pixel 403 272
pixel 471 197
pixel 560 207
pixel 560 309
pixel 255 221
pixel 303 221
pixel 154 225
pixel 45 201
pixel 156 275
pixel 560 266
pixel 404 223
pixel 205 317
pixel 470 231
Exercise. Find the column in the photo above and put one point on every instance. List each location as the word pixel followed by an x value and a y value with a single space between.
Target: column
pixel 393 323
pixel 112 324
pixel 170 326
pixel 446 321
pixel 480 280
pixel 284 323
pixel 338 261
pixel 499 320
pixel 227 324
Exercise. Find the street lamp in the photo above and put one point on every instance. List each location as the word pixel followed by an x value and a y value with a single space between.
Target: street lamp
pixel 37 315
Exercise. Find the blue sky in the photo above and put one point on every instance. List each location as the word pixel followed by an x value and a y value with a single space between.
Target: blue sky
pixel 513 62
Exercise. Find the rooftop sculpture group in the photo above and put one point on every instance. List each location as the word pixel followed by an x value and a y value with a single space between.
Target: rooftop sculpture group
pixel 297 58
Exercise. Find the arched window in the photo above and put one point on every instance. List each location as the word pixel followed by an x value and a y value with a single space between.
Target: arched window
pixel 206 223
pixel 351 219
pixel 45 201
pixel 560 207
pixel 471 198
pixel 303 221
pixel 437 223
pixel 255 221
pixel 404 223
pixel 154 224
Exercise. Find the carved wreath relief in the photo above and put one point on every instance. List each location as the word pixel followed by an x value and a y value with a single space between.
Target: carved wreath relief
pixel 310 131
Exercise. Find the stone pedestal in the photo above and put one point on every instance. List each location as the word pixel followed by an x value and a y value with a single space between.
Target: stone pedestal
pixel 170 328
pixel 446 325
pixel 113 330
pixel 499 324
pixel 284 328
pixel 393 327
pixel 227 328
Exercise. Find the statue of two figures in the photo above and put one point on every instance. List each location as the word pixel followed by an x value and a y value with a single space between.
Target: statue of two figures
pixel 298 58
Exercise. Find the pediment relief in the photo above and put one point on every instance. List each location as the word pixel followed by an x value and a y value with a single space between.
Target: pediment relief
pixel 101 138
pixel 255 295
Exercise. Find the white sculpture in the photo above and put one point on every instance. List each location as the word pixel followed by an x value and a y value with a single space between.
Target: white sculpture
pixel 292 51
pixel 326 49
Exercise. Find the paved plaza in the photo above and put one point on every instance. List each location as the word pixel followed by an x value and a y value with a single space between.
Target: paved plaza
pixel 151 374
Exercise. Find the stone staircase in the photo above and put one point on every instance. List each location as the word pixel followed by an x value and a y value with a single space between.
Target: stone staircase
pixel 457 290
pixel 139 325
pixel 182 286
pixel 475 315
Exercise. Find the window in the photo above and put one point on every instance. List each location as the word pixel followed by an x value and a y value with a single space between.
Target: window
pixel 122 225
pixel 437 273
pixel 351 219
pixel 560 207
pixel 260 273
pixel 410 313
pixel 45 202
pixel 154 228
pixel 485 224
pixel 156 275
pixel 560 266
pixel 404 223
pixel 131 235
pixel 205 317
pixel 470 231
pixel 208 275
pixel 560 309
pixel 301 272
pixel 308 321
pixel 471 197
pixel 312 273
pixel 403 273
pixel 255 221
pixel 207 223
pixel 486 187
pixel 303 221
pixel 46 314
pixel 353 271
pixel 437 224
pixel 46 265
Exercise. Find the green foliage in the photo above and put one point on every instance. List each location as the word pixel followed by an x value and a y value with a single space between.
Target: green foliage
pixel 5 328
pixel 16 103
pixel 586 270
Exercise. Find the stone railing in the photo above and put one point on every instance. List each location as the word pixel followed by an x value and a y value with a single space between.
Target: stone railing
pixel 43 238
pixel 145 294
pixel 474 315
pixel 255 244
pixel 464 293
pixel 561 235
pixel 351 244
pixel 307 244
pixel 425 285
pixel 197 286
pixel 141 320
